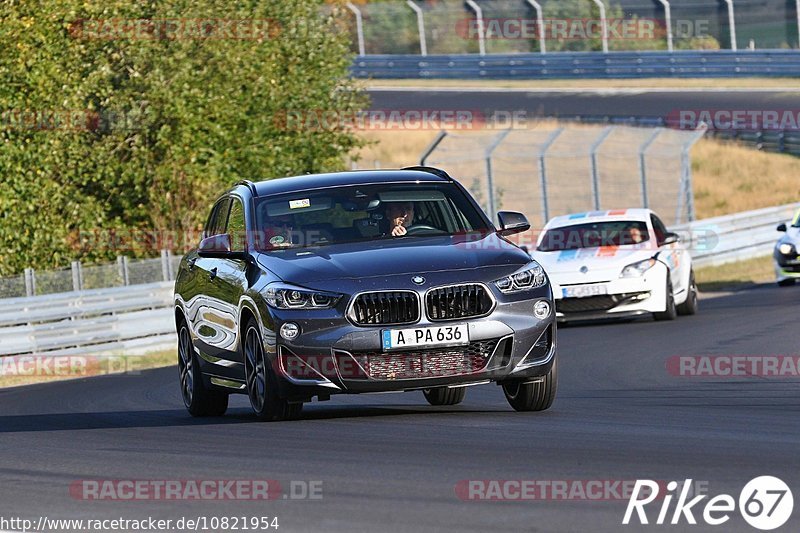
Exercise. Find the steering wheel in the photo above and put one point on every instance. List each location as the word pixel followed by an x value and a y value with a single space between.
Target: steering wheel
pixel 419 228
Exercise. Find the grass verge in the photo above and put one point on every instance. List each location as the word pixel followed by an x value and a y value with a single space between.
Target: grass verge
pixel 735 276
pixel 27 370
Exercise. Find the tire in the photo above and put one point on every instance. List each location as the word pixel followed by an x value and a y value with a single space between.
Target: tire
pixel 445 396
pixel 788 282
pixel 671 312
pixel 537 396
pixel 199 400
pixel 689 307
pixel 261 382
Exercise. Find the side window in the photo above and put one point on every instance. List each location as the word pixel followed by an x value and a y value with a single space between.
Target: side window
pixel 659 228
pixel 236 226
pixel 219 216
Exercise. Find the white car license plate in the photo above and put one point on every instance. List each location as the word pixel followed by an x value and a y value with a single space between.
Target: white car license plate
pixel 584 291
pixel 455 335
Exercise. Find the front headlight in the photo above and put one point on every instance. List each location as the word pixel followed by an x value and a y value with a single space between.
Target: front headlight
pixel 530 277
pixel 281 296
pixel 637 270
pixel 787 249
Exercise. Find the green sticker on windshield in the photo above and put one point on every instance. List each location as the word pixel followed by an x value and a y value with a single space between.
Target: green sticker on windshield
pixel 277 239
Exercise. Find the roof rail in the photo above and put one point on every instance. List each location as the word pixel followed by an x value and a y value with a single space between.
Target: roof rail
pixel 431 170
pixel 250 185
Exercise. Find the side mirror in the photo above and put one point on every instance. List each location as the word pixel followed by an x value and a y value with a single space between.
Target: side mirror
pixel 782 227
pixel 217 246
pixel 512 222
pixel 671 238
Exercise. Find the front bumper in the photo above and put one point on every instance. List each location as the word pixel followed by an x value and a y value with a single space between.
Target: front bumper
pixel 625 298
pixel 332 355
pixel 786 267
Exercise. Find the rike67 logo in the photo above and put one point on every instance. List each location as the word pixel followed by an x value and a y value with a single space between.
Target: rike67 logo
pixel 765 503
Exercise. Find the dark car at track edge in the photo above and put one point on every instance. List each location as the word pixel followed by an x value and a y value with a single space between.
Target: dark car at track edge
pixel 360 282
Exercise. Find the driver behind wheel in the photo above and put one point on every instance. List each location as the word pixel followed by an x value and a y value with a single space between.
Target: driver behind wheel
pixel 400 216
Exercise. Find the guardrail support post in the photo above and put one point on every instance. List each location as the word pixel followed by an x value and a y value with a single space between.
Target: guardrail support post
pixel 593 155
pixel 643 165
pixel 732 23
pixel 30 282
pixel 359 27
pixel 540 22
pixel 603 23
pixel 423 42
pixel 668 20
pixel 481 28
pixel 165 265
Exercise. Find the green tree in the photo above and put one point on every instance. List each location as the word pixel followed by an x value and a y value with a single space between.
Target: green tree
pixel 174 118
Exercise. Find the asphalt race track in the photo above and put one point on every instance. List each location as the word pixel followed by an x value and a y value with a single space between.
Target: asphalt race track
pixel 611 102
pixel 391 462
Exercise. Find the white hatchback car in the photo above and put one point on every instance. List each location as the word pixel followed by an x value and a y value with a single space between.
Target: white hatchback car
pixel 786 255
pixel 619 263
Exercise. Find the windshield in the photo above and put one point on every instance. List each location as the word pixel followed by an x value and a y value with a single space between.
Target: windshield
pixel 363 213
pixel 593 235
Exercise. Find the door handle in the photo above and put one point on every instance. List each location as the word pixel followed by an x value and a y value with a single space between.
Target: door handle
pixel 190 263
pixel 212 273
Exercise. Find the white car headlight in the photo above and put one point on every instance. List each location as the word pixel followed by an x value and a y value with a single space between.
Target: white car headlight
pixel 637 270
pixel 787 248
pixel 530 277
pixel 281 296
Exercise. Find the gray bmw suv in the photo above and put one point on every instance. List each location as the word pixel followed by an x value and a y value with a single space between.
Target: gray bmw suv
pixel 360 282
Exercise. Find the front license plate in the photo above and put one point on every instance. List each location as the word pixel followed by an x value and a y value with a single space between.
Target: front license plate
pixel 395 339
pixel 584 291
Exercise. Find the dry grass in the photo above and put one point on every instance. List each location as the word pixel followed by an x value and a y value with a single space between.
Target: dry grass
pixel 733 276
pixel 728 178
pixel 15 372
pixel 647 83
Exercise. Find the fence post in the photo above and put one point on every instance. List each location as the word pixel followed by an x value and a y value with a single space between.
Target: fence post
pixel 423 43
pixel 668 19
pixel 540 22
pixel 433 146
pixel 593 155
pixel 165 265
pixel 643 165
pixel 359 27
pixel 732 24
pixel 481 28
pixel 543 172
pixel 122 261
pixel 603 23
pixel 489 176
pixel 30 282
pixel 77 275
pixel 169 265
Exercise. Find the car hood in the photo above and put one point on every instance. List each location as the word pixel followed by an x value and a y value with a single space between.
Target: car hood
pixel 605 262
pixel 384 258
pixel 792 236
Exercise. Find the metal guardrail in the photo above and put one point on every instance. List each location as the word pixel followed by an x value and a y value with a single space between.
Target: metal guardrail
pixel 567 65
pixel 725 239
pixel 124 319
